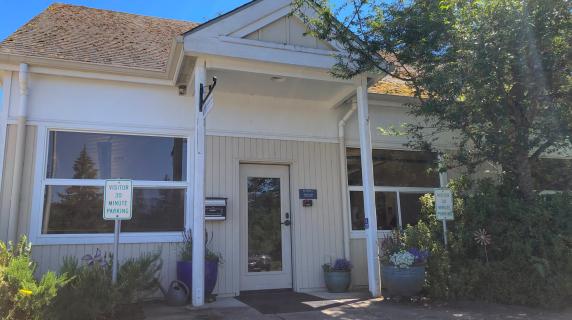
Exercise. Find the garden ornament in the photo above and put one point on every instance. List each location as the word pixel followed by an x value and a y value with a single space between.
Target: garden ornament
pixel 177 295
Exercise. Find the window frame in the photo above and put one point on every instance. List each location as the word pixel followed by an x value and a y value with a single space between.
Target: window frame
pixel 361 234
pixel 41 181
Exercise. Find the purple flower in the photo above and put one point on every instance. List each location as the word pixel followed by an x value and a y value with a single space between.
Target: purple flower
pixel 342 265
pixel 96 259
pixel 421 256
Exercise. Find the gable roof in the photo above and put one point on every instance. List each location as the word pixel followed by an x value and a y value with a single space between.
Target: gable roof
pixel 82 34
pixel 103 37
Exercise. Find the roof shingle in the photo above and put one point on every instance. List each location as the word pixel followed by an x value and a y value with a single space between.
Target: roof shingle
pixel 82 34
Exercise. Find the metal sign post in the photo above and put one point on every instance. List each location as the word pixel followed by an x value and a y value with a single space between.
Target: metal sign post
pixel 115 251
pixel 117 206
pixel 444 208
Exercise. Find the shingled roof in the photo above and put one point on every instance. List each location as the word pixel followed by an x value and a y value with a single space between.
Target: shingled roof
pixel 392 86
pixel 82 34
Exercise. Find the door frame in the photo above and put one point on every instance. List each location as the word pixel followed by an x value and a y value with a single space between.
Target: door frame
pixel 293 261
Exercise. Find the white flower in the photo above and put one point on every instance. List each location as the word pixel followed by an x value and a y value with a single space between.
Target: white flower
pixel 402 259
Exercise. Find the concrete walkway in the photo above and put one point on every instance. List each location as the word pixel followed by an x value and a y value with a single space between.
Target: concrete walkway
pixel 353 306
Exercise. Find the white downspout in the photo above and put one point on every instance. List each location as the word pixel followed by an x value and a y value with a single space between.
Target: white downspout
pixel 343 178
pixel 19 155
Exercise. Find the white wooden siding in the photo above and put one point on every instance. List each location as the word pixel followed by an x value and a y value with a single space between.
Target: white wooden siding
pixel 288 30
pixel 316 231
pixel 25 196
pixel 51 257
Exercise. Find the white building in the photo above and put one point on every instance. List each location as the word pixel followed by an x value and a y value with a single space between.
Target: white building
pixel 90 95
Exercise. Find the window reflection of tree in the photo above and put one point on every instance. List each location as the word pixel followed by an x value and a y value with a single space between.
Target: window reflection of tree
pixel 79 208
pixel 264 217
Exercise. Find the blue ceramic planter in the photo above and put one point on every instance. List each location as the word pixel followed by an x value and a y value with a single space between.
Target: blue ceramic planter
pixel 337 281
pixel 403 282
pixel 185 274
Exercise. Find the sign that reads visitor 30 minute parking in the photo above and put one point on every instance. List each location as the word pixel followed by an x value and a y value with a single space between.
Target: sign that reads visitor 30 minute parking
pixel 444 204
pixel 118 200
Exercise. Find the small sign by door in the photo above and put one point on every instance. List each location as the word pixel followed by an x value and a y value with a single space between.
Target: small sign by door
pixel 308 194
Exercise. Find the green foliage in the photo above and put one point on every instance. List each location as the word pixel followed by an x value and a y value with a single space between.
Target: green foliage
pixel 138 277
pixel 21 295
pixel 495 72
pixel 530 257
pixel 186 248
pixel 92 292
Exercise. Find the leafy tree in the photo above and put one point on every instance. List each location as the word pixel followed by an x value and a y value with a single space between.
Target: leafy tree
pixel 497 73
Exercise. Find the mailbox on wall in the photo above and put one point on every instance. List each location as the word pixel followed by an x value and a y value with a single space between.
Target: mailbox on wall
pixel 215 209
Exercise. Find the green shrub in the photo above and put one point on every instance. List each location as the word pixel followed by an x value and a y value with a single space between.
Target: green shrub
pixel 529 260
pixel 92 292
pixel 21 295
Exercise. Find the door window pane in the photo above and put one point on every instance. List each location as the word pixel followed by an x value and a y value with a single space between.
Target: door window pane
pixel 395 168
pixel 264 225
pixel 410 208
pixel 386 209
pixel 77 210
pixel 76 155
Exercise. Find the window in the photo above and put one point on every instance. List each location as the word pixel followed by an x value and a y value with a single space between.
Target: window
pixel 78 165
pixel 552 174
pixel 400 178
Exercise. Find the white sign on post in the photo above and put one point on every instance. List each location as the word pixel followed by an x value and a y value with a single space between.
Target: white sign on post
pixel 444 204
pixel 208 105
pixel 118 200
pixel 117 206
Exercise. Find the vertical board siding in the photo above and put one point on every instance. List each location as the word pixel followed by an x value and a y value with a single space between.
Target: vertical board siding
pixel 317 235
pixel 8 177
pixel 359 260
pixel 50 258
pixel 9 154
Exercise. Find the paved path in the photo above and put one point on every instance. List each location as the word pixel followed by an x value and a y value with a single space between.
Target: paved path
pixel 355 307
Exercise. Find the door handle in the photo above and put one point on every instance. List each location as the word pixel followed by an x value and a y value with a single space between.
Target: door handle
pixel 287 222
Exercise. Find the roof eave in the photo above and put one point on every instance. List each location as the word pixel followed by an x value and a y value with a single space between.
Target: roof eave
pixel 68 65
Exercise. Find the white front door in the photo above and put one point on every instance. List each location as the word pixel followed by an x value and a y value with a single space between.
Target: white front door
pixel 265 223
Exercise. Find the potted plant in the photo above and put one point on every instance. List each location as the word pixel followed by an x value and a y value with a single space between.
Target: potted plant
pixel 185 264
pixel 402 267
pixel 337 275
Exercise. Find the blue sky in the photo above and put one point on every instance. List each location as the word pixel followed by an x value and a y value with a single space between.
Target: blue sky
pixel 14 13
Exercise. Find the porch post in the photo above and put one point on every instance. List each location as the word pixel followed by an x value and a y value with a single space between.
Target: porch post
pixel 199 191
pixel 373 271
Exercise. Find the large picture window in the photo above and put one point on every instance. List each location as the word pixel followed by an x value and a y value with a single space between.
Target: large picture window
pixel 400 178
pixel 78 164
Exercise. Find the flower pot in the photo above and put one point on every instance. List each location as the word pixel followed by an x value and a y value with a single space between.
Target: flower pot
pixel 404 282
pixel 337 281
pixel 211 274
pixel 185 274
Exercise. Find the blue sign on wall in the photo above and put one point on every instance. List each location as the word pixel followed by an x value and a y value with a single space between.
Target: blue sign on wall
pixel 308 194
